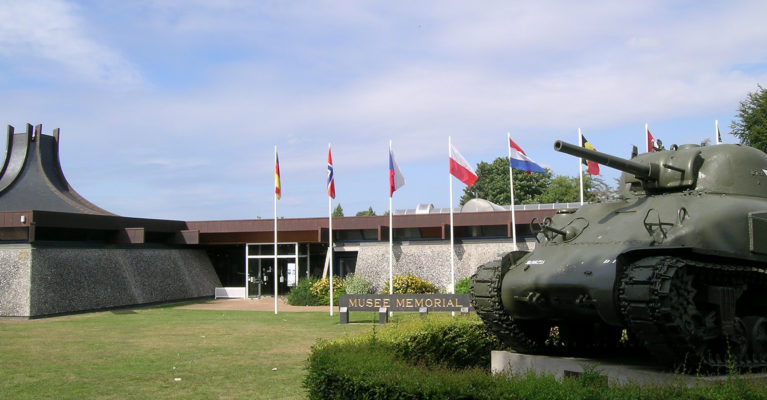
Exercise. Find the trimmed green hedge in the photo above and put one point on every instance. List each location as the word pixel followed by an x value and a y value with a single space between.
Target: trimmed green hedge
pixel 373 366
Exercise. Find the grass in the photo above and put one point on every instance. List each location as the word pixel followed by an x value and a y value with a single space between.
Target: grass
pixel 161 353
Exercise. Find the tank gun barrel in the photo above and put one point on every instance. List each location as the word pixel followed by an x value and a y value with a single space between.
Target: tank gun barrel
pixel 643 171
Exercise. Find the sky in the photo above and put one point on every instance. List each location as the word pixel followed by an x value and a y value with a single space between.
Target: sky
pixel 171 109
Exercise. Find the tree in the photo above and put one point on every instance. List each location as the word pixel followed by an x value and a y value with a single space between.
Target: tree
pixel 493 184
pixel 367 213
pixel 338 212
pixel 750 125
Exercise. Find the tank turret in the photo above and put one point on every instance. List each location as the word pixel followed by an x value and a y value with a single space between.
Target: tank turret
pixel 678 265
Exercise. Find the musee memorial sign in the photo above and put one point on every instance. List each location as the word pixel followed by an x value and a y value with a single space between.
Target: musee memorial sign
pixel 383 303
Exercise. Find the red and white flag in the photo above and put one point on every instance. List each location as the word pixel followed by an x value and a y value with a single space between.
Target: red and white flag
pixel 460 168
pixel 650 142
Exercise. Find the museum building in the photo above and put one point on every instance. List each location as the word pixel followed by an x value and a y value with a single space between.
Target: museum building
pixel 59 253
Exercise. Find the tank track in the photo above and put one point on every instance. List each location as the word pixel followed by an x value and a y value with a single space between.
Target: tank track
pixel 657 298
pixel 486 300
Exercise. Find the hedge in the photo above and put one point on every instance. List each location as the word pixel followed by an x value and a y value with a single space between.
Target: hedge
pixel 372 367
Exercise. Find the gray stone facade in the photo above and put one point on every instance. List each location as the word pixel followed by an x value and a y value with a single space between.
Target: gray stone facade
pixel 429 260
pixel 38 280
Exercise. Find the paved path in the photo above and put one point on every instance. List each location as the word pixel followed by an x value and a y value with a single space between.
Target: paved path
pixel 264 303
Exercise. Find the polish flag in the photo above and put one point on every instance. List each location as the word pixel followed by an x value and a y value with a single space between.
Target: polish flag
pixel 460 168
pixel 650 142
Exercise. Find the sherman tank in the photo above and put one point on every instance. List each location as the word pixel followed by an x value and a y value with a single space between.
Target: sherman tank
pixel 677 265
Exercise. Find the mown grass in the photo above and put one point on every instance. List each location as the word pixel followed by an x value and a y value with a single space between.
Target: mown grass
pixel 162 353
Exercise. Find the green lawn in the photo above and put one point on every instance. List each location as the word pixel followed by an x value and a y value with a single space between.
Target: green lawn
pixel 164 352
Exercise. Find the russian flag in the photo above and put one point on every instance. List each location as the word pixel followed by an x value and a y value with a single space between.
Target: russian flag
pixel 396 179
pixel 519 160
pixel 460 168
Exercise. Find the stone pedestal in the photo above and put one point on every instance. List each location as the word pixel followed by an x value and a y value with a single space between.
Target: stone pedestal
pixel 642 371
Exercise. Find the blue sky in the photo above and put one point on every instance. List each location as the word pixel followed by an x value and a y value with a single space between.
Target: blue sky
pixel 171 109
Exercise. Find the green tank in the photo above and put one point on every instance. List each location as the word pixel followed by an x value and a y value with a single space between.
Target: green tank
pixel 677 265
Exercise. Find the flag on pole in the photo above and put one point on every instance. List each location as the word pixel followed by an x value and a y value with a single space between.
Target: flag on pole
pixel 331 180
pixel 591 167
pixel 519 160
pixel 460 168
pixel 396 179
pixel 718 134
pixel 277 187
pixel 650 140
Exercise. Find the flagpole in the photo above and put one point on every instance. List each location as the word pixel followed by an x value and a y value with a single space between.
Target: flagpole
pixel 511 187
pixel 452 240
pixel 580 162
pixel 330 245
pixel 391 236
pixel 716 139
pixel 275 238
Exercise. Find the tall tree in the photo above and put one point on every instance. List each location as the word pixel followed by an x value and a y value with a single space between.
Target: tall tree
pixel 367 213
pixel 750 125
pixel 338 211
pixel 493 184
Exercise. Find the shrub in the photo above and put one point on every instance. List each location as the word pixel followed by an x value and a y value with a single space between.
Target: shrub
pixel 366 367
pixel 410 284
pixel 354 284
pixel 301 294
pixel 463 286
pixel 453 343
pixel 321 290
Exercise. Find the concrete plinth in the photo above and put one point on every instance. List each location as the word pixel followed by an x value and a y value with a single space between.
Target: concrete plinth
pixel 638 371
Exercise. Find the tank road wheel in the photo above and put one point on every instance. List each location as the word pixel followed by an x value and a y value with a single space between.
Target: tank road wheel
pixel 756 332
pixel 522 336
pixel 685 314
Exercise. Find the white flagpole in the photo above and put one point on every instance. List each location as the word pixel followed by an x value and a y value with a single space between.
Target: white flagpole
pixel 330 245
pixel 580 162
pixel 452 240
pixel 275 235
pixel 511 187
pixel 391 237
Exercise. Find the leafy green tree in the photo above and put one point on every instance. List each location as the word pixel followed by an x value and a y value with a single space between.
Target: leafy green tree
pixel 750 125
pixel 338 211
pixel 493 184
pixel 367 213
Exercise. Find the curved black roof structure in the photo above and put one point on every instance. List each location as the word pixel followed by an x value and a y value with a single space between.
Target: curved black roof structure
pixel 31 177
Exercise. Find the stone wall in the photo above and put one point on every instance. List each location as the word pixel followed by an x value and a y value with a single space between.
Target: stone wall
pixel 429 259
pixel 61 279
pixel 14 280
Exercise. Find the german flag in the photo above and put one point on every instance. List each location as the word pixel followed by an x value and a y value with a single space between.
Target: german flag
pixel 591 167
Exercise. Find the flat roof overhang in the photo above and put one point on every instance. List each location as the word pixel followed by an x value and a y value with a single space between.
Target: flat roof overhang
pixel 34 226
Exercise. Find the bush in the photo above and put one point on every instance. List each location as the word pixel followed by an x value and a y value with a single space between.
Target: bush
pixel 410 284
pixel 463 286
pixel 321 290
pixel 301 294
pixel 354 284
pixel 453 343
pixel 367 367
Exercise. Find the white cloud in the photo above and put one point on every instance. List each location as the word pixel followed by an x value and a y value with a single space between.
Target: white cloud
pixel 50 31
